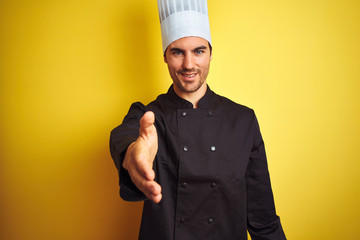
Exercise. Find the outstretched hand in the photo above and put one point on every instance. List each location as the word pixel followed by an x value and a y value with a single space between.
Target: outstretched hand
pixel 140 156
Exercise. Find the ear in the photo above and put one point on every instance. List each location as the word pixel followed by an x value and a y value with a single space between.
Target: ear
pixel 165 60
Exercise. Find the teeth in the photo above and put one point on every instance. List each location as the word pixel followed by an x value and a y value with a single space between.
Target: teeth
pixel 190 75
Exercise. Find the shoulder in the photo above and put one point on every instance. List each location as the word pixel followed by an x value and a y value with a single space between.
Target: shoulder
pixel 231 108
pixel 159 105
pixel 136 110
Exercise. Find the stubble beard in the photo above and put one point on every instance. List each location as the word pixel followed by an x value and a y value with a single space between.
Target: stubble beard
pixel 191 87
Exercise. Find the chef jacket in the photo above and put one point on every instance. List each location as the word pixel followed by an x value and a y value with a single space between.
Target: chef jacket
pixel 212 168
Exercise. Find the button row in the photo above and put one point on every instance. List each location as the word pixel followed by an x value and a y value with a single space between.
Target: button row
pixel 184 184
pixel 210 220
pixel 212 148
pixel 183 113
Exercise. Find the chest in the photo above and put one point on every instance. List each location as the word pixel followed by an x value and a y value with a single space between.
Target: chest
pixel 200 144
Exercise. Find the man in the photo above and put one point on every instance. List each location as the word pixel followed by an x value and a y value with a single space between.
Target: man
pixel 196 158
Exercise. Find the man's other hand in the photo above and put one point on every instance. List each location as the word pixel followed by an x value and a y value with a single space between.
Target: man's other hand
pixel 140 156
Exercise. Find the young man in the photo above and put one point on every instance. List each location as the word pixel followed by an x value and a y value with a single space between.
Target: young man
pixel 196 158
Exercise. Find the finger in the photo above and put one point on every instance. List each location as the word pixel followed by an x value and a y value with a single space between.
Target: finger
pixel 143 167
pixel 137 178
pixel 152 187
pixel 153 190
pixel 142 183
pixel 157 198
pixel 147 121
pixel 147 173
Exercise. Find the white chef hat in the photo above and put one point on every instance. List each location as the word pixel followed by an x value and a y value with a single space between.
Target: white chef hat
pixel 183 18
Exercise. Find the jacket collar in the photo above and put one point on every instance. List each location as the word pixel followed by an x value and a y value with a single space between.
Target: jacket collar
pixel 204 102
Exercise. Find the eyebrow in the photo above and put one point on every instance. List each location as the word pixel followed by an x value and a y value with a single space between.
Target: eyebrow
pixel 200 48
pixel 176 50
pixel 182 50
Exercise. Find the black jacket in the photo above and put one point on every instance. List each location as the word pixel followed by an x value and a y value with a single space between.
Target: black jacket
pixel 212 168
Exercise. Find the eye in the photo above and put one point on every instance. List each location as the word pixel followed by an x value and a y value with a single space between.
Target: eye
pixel 199 51
pixel 177 53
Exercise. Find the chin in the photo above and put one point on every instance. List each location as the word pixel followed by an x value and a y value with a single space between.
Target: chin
pixel 190 87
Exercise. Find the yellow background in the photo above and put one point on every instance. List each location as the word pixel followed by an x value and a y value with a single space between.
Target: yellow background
pixel 70 69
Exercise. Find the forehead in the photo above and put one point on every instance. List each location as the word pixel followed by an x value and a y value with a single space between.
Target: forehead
pixel 189 43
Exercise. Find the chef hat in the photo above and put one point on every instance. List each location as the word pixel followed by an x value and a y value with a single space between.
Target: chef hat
pixel 183 18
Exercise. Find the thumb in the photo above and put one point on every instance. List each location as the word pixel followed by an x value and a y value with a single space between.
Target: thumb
pixel 148 133
pixel 146 122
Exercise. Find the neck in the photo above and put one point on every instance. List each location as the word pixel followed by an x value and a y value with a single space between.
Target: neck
pixel 193 97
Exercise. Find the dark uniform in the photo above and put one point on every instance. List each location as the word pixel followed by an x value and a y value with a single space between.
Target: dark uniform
pixel 212 168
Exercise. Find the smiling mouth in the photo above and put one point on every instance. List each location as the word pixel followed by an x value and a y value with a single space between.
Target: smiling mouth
pixel 188 75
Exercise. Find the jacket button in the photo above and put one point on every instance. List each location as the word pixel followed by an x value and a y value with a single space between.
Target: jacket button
pixel 210 221
pixel 210 112
pixel 213 185
pixel 185 148
pixel 183 113
pixel 184 184
pixel 182 220
pixel 213 148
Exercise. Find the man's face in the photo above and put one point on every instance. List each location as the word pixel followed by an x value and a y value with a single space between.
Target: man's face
pixel 188 61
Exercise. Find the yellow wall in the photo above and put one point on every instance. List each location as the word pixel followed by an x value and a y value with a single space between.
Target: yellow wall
pixel 70 69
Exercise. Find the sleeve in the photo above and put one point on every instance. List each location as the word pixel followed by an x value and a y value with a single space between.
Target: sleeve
pixel 263 223
pixel 120 138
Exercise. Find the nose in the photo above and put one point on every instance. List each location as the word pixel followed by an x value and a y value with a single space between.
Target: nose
pixel 189 62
